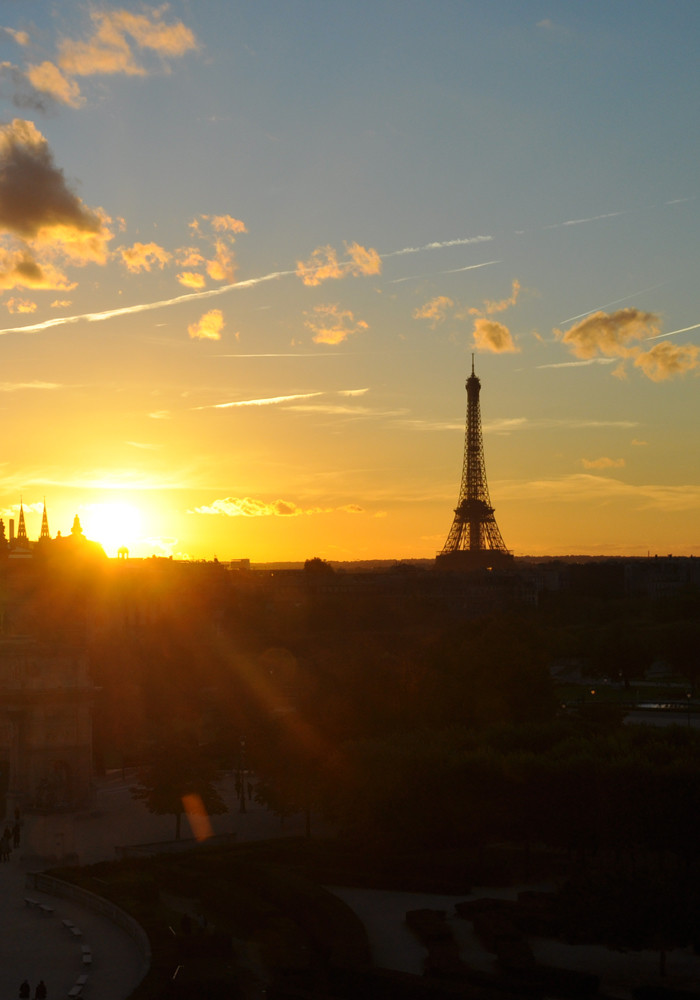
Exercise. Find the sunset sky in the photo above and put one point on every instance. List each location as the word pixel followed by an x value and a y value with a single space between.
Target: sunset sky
pixel 247 249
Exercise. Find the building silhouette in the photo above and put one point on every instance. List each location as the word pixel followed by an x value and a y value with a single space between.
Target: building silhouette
pixel 474 541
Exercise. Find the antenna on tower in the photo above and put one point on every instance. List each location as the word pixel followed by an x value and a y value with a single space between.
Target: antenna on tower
pixel 474 540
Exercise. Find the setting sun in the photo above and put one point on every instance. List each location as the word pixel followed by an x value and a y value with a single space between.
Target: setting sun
pixel 113 525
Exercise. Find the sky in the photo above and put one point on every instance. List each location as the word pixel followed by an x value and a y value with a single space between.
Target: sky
pixel 248 249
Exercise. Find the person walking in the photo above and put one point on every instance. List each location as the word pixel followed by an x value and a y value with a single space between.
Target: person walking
pixel 40 991
pixel 24 990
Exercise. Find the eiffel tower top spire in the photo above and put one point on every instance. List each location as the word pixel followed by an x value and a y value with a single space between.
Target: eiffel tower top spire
pixel 474 539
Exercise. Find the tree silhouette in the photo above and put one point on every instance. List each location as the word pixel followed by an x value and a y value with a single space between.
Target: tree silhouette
pixel 179 772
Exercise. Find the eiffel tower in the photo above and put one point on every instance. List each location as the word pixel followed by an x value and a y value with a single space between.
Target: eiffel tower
pixel 474 540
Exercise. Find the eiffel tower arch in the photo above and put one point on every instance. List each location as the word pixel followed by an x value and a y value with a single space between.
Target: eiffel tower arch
pixel 474 540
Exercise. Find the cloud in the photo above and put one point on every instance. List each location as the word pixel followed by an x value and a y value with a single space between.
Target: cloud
pixel 144 256
pixel 60 303
pixel 21 37
pixel 490 308
pixel 20 306
pixel 190 279
pixel 609 334
pixel 226 223
pixel 36 205
pixel 249 507
pixel 221 267
pixel 48 79
pixel 332 325
pixel 603 463
pixel 208 327
pixel 324 264
pixel 20 269
pixel 489 335
pixel 586 488
pixel 435 311
pixel 617 335
pixel 20 386
pixel 665 360
pixel 110 47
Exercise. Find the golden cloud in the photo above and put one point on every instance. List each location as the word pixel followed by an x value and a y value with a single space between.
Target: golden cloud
pixel 332 325
pixel 190 257
pixel 665 360
pixel 37 206
pixel 208 327
pixel 19 269
pixel 435 311
pixel 226 223
pixel 109 48
pixel 324 264
pixel 248 507
pixel 190 279
pixel 48 79
pixel 609 334
pixel 603 463
pixel 489 335
pixel 618 335
pixel 20 306
pixel 495 307
pixel 144 256
pixel 222 267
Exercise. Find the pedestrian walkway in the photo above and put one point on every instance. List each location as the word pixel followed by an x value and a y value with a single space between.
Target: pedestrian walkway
pixel 35 944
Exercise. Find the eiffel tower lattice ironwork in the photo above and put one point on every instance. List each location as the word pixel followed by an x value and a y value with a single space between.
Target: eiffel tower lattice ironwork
pixel 474 539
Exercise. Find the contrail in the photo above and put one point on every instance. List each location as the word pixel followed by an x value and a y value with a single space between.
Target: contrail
pixel 672 332
pixel 453 270
pixel 97 317
pixel 437 246
pixel 616 302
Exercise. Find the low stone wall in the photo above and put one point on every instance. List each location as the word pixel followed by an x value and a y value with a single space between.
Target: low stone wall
pixel 98 904
pixel 172 846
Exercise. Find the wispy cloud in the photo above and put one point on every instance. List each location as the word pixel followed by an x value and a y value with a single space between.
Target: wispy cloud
pixel 603 463
pixel 251 507
pixel 587 488
pixel 332 325
pixel 116 45
pixel 21 386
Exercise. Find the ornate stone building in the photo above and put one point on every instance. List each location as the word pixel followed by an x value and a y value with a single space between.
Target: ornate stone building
pixel 45 727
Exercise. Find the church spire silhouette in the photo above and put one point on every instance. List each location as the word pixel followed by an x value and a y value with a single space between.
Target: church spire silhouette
pixel 45 534
pixel 22 540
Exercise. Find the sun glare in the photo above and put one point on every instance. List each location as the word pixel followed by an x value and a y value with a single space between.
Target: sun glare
pixel 113 525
